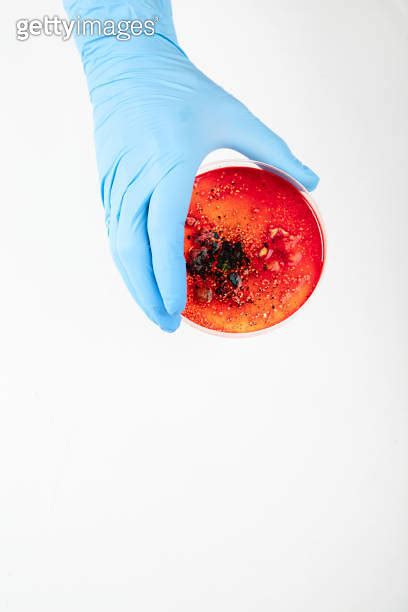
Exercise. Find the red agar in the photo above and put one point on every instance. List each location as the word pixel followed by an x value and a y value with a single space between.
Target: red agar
pixel 254 250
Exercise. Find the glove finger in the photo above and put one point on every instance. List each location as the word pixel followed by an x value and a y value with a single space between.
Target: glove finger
pixel 167 214
pixel 131 252
pixel 259 143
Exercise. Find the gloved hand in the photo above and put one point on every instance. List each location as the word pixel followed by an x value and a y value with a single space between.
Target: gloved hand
pixel 156 117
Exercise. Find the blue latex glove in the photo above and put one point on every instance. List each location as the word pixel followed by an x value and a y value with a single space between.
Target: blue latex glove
pixel 156 117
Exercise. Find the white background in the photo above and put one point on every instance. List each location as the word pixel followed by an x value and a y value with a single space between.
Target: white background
pixel 153 472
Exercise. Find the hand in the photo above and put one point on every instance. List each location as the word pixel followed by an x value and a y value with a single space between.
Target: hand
pixel 156 117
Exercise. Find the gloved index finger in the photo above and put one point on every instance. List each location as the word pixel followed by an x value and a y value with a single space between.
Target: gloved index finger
pixel 131 251
pixel 167 214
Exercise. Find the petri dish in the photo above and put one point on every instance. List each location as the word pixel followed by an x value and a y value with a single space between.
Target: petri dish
pixel 254 246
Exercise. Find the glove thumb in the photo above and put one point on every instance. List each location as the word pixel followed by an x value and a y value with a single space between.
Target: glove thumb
pixel 259 143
